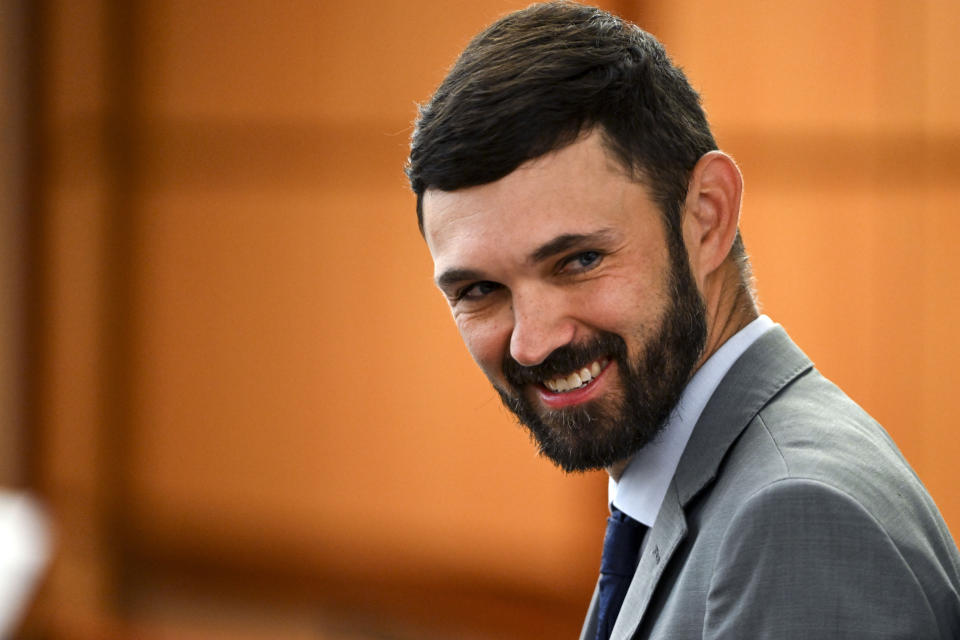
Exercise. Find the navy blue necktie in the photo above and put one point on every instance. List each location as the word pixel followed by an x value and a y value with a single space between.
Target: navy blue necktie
pixel 621 552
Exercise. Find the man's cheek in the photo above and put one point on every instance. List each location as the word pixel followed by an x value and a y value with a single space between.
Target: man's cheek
pixel 482 354
pixel 487 343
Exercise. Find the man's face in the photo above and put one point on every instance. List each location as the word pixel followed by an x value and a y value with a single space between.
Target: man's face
pixel 566 293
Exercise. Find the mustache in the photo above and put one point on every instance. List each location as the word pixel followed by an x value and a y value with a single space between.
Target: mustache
pixel 565 359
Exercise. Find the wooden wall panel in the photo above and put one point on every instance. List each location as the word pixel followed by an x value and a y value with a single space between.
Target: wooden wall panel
pixel 70 368
pixel 14 236
pixel 304 61
pixel 941 51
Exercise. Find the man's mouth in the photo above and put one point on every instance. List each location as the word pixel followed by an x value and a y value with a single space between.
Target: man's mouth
pixel 577 379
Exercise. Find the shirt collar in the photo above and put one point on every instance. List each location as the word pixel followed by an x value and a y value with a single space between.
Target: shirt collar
pixel 644 482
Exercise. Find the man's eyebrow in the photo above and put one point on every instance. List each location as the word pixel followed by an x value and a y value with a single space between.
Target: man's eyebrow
pixel 451 277
pixel 566 242
pixel 551 248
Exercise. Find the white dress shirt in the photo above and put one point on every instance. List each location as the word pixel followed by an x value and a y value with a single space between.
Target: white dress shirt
pixel 644 482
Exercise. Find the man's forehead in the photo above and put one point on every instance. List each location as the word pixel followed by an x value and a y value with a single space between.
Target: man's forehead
pixel 458 223
pixel 445 214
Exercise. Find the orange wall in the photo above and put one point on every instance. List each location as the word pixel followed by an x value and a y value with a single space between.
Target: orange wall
pixel 283 363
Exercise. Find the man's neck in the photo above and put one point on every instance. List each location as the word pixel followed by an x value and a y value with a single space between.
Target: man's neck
pixel 730 306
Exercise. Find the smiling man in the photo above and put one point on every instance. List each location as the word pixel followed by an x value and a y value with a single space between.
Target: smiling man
pixel 584 229
pixel 589 326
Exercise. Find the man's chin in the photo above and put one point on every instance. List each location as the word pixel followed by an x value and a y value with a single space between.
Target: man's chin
pixel 573 454
pixel 575 439
pixel 576 457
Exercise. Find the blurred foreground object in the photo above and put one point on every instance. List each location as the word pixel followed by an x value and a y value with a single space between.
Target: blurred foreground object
pixel 24 551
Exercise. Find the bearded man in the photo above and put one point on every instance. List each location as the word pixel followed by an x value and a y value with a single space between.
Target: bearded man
pixel 584 229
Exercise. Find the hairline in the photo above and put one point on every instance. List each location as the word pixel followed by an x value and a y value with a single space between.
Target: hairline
pixel 639 175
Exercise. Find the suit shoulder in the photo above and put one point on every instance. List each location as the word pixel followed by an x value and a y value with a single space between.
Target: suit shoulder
pixel 815 430
pixel 812 431
pixel 802 555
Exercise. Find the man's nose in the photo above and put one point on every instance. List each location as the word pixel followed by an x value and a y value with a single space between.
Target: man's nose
pixel 540 325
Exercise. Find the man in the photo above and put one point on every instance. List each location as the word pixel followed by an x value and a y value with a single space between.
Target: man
pixel 584 229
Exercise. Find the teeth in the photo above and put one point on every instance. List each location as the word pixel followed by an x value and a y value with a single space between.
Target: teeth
pixel 576 379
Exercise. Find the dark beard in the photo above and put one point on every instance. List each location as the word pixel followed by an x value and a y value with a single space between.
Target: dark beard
pixel 613 428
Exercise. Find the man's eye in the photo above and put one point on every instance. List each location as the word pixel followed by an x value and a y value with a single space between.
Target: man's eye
pixel 477 290
pixel 583 261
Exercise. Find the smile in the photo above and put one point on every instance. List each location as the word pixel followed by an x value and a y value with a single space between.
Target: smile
pixel 577 379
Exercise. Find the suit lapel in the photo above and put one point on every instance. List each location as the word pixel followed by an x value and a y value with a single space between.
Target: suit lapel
pixel 764 369
pixel 658 547
pixel 770 364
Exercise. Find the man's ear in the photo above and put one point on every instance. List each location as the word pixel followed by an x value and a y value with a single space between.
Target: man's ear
pixel 711 212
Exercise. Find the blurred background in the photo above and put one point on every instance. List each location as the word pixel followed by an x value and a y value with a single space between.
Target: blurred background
pixel 224 369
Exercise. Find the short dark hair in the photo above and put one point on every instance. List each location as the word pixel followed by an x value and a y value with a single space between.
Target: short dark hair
pixel 537 79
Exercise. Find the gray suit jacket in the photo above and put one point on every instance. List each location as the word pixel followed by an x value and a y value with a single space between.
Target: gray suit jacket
pixel 791 515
